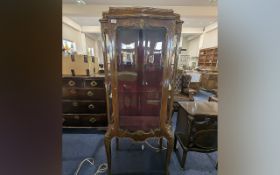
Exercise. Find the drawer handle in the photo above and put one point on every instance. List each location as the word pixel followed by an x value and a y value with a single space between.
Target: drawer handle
pixel 76 117
pixel 92 120
pixel 91 106
pixel 90 93
pixel 93 83
pixel 75 103
pixel 71 83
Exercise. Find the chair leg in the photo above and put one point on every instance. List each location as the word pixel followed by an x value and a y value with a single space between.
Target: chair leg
pixel 160 143
pixel 107 142
pixel 175 143
pixel 181 159
pixel 184 157
pixel 117 144
pixel 216 166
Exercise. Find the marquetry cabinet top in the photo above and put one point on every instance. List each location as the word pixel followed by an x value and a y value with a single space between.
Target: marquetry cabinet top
pixel 124 12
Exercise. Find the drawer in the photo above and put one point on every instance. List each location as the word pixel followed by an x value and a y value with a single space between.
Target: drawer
pixel 91 83
pixel 98 120
pixel 72 82
pixel 84 93
pixel 83 106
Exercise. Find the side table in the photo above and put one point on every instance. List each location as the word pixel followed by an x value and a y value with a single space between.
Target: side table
pixel 196 128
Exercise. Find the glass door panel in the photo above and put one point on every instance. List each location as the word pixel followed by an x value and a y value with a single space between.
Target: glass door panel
pixel 140 76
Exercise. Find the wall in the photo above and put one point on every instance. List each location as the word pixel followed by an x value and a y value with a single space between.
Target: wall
pixel 90 43
pixel 97 45
pixel 192 47
pixel 83 42
pixel 210 39
pixel 74 35
pixel 100 51
pixel 205 40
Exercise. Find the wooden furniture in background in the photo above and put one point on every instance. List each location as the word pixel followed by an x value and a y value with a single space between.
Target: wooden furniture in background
pixel 196 128
pixel 79 65
pixel 208 58
pixel 178 95
pixel 140 61
pixel 84 102
pixel 213 98
pixel 209 81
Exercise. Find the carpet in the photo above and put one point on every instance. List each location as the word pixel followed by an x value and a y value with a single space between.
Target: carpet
pixel 130 159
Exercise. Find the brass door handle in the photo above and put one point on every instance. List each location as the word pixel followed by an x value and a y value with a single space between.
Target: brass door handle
pixel 92 120
pixel 71 83
pixel 93 83
pixel 91 106
pixel 90 93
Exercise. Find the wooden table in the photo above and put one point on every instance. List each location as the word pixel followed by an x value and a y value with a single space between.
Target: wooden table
pixel 199 107
pixel 196 128
pixel 178 97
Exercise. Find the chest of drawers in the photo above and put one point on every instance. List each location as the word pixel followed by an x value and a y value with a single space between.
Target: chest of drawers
pixel 84 102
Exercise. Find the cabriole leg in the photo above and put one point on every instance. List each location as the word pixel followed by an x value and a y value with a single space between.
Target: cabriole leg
pixel 160 143
pixel 170 144
pixel 117 143
pixel 107 142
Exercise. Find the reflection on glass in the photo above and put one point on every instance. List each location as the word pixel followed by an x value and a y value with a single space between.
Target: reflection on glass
pixel 158 46
pixel 128 46
pixel 140 74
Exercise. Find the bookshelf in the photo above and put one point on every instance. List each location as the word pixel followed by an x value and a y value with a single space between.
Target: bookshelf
pixel 208 58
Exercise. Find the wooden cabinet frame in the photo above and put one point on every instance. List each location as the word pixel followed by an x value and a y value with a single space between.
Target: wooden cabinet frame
pixel 140 18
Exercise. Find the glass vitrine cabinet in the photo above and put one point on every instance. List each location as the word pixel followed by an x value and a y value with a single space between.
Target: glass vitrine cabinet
pixel 140 60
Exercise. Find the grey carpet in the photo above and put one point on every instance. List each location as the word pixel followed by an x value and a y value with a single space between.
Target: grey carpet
pixel 130 159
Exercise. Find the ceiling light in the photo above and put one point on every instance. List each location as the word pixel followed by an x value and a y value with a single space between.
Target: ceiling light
pixel 80 2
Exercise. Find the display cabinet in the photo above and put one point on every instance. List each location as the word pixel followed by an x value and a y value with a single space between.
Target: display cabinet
pixel 140 60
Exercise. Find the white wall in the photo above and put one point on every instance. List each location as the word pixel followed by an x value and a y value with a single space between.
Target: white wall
pixel 100 51
pixel 89 42
pixel 74 35
pixel 83 41
pixel 205 40
pixel 210 39
pixel 192 47
pixel 96 44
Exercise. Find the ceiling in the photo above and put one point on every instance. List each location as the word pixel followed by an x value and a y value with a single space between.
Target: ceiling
pixel 196 14
pixel 148 2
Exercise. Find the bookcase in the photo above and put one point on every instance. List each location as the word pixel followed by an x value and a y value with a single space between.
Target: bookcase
pixel 208 58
